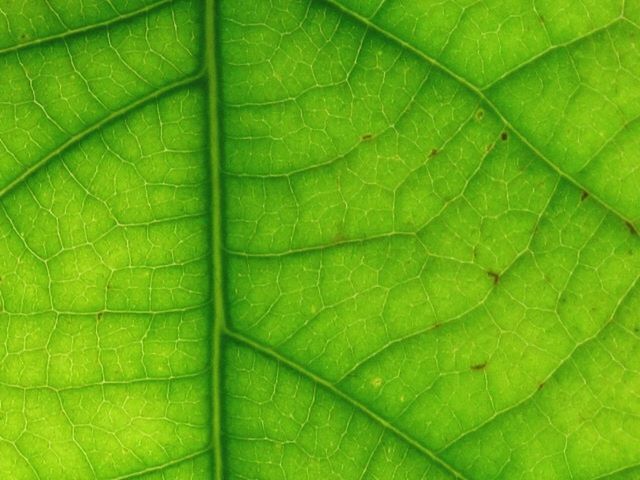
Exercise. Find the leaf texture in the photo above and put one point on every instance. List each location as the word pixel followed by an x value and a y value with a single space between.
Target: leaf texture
pixel 305 239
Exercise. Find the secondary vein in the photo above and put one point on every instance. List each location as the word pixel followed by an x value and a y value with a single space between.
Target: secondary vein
pixel 362 408
pixel 97 126
pixel 164 466
pixel 478 92
pixel 87 28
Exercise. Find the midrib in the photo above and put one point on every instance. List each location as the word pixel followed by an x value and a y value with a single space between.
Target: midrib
pixel 219 326
pixel 216 245
pixel 215 204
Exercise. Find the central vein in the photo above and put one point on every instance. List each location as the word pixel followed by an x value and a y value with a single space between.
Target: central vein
pixel 215 205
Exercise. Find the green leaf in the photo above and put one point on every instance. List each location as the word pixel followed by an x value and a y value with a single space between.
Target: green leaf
pixel 307 239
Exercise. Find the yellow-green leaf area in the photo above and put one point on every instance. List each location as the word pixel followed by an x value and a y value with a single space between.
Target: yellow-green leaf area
pixel 306 239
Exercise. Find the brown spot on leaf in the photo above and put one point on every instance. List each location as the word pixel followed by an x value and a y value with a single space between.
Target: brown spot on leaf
pixel 504 136
pixel 479 366
pixel 367 136
pixel 480 114
pixel 541 386
pixel 584 195
pixel 495 276
pixel 433 153
pixel 631 227
pixel 339 237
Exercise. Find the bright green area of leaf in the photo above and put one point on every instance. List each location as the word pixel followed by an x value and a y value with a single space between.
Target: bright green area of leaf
pixel 429 262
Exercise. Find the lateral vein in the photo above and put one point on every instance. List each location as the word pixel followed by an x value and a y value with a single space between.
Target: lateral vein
pixel 87 28
pixel 360 407
pixel 479 93
pixel 87 132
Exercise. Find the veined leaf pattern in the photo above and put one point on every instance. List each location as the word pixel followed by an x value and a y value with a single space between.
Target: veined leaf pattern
pixel 302 239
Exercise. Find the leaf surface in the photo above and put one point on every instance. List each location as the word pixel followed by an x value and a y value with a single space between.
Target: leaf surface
pixel 303 239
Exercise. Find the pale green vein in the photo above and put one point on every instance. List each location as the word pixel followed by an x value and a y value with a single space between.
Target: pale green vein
pixel 215 205
pixel 87 28
pixel 164 466
pixel 583 344
pixel 104 312
pixel 546 52
pixel 322 247
pixel 18 449
pixel 621 471
pixel 481 303
pixel 346 154
pixel 477 91
pixel 608 143
pixel 360 407
pixel 106 383
pixel 87 132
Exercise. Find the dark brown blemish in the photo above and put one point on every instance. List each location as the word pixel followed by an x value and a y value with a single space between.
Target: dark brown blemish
pixel 541 386
pixel 584 195
pixel 479 366
pixel 504 136
pixel 99 315
pixel 433 153
pixel 480 114
pixel 367 136
pixel 436 325
pixel 631 227
pixel 495 276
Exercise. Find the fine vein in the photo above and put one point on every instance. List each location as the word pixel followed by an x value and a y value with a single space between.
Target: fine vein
pixel 477 91
pixel 97 126
pixel 270 353
pixel 164 466
pixel 87 28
